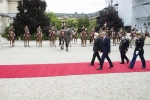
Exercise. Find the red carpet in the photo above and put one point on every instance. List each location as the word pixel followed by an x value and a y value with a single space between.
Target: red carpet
pixel 47 70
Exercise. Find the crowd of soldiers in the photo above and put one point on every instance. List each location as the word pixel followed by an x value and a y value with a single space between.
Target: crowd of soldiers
pixel 102 44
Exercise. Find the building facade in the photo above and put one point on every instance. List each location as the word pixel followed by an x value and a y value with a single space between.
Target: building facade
pixel 134 12
pixel 65 16
pixel 8 10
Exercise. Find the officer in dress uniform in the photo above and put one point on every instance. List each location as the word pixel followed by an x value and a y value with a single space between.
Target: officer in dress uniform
pixel 139 44
pixel 123 48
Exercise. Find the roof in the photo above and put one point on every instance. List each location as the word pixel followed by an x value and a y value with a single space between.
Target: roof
pixel 11 15
pixel 76 15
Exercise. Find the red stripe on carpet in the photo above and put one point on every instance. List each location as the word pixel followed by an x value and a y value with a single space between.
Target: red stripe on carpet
pixel 48 70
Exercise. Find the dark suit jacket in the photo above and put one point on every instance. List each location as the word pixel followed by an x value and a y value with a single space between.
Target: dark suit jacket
pixel 139 44
pixel 124 45
pixel 97 46
pixel 105 45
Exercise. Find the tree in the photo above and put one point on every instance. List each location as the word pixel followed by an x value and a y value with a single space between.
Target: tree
pixel 86 22
pixel 92 24
pixel 72 22
pixel 83 22
pixel 80 24
pixel 54 20
pixel 31 13
pixel 110 16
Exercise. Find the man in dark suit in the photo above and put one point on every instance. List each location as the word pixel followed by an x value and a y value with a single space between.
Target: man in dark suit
pixel 105 48
pixel 138 51
pixel 96 48
pixel 123 48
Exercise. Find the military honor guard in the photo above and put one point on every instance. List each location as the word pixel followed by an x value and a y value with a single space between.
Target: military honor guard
pixel 104 26
pixel 38 31
pixel 123 48
pixel 26 29
pixel 83 31
pixel 138 51
pixel 11 30
pixel 133 33
pixel 63 25
pixel 51 31
pixel 120 33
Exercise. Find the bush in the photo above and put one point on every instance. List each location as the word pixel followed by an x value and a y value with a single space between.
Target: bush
pixel 5 35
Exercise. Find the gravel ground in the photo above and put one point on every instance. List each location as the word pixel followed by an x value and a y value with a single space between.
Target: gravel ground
pixel 115 86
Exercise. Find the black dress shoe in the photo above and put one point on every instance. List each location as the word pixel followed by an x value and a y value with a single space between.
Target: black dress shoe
pixel 111 66
pixel 127 61
pixel 130 67
pixel 99 68
pixel 91 65
pixel 143 67
pixel 121 63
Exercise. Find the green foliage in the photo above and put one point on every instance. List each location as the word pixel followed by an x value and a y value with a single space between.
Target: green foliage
pixel 92 24
pixel 80 24
pixel 72 22
pixel 54 20
pixel 83 22
pixel 5 35
pixel 110 16
pixel 31 13
pixel 86 22
pixel 6 30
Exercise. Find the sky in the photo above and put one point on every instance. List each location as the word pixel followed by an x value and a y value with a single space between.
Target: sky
pixel 72 6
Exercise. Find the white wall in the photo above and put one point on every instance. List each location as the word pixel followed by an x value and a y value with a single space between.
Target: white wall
pixel 115 2
pixel 4 6
pixel 125 12
pixel 5 23
pixel 13 7
pixel 0 24
pixel 140 13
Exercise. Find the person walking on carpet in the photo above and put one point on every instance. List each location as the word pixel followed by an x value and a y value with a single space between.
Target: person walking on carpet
pixel 105 48
pixel 96 48
pixel 139 44
pixel 123 48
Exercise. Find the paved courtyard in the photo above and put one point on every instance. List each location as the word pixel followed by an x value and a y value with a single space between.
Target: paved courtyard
pixel 121 86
